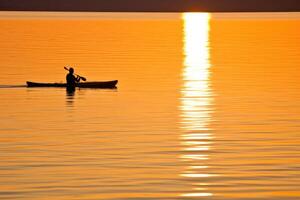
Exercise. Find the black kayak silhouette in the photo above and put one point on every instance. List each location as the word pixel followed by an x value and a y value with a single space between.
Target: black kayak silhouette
pixel 95 84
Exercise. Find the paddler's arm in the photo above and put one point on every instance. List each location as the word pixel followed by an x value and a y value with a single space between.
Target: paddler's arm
pixel 77 79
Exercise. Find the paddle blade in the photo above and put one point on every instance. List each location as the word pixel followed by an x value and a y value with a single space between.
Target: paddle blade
pixel 66 68
pixel 82 78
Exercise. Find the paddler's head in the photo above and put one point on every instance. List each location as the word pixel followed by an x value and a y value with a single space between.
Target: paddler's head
pixel 71 70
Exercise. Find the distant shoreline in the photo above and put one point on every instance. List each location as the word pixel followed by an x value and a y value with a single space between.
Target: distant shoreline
pixel 151 5
pixel 23 15
pixel 143 11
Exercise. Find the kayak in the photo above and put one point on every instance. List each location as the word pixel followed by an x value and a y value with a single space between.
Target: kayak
pixel 96 84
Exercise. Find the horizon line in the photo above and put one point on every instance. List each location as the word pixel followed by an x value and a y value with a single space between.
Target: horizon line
pixel 151 5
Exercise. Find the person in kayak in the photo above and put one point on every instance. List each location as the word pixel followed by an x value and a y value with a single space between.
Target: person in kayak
pixel 72 80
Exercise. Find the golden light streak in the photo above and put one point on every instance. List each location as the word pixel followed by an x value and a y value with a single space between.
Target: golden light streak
pixel 196 99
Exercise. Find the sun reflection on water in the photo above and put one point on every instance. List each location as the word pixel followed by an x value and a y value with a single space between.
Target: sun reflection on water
pixel 196 102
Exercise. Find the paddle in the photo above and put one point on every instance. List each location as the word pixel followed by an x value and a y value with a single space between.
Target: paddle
pixel 81 77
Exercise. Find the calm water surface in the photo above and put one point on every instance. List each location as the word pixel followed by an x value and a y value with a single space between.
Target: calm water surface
pixel 207 106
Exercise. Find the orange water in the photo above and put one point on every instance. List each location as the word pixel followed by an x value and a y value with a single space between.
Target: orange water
pixel 207 106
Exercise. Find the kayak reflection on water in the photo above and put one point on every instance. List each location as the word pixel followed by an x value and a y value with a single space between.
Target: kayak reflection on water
pixel 72 80
pixel 70 97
